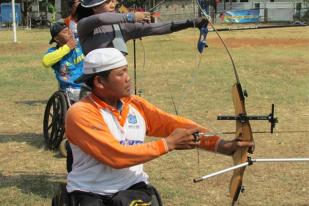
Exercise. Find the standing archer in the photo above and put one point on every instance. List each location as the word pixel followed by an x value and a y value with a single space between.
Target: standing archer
pixel 105 28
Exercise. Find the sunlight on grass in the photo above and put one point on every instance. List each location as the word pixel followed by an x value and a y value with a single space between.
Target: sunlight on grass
pixel 272 65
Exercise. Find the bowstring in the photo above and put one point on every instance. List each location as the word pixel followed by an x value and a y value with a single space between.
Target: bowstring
pixel 192 81
pixel 198 66
pixel 140 91
pixel 222 41
pixel 195 69
pixel 166 79
pixel 226 49
pixel 201 54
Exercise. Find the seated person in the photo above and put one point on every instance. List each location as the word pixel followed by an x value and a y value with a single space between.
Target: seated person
pixel 107 129
pixel 66 59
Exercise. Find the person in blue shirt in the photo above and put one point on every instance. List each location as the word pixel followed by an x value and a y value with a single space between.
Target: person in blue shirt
pixel 66 58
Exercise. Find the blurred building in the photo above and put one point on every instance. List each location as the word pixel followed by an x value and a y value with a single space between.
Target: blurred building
pixel 38 13
pixel 35 13
pixel 269 10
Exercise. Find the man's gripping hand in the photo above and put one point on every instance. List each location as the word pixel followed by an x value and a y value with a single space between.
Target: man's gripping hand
pixel 142 17
pixel 230 147
pixel 71 43
pixel 181 139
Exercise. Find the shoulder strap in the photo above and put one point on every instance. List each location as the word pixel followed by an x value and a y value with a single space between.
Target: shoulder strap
pixel 118 41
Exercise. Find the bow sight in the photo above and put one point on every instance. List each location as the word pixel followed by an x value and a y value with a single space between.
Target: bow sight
pixel 245 118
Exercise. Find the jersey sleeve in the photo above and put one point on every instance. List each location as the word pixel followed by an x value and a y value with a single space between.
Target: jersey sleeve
pixel 162 124
pixel 86 128
pixel 86 25
pixel 55 55
pixel 138 30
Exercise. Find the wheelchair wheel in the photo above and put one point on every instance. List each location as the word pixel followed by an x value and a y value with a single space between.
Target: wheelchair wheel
pixel 54 116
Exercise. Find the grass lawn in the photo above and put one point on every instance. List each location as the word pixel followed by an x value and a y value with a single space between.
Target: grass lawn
pixel 273 66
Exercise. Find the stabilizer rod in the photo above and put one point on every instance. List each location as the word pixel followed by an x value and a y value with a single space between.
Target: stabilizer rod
pixel 248 163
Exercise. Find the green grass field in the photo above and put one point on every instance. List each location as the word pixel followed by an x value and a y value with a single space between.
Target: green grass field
pixel 273 66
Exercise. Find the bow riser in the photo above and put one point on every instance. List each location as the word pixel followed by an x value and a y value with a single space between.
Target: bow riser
pixel 243 132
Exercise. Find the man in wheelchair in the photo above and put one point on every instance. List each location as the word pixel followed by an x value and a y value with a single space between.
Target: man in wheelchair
pixel 66 59
pixel 106 131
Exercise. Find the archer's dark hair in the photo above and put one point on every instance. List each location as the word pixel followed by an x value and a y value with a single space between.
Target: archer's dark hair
pixel 83 12
pixel 103 75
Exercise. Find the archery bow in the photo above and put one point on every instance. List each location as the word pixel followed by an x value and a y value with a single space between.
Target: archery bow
pixel 243 128
pixel 243 131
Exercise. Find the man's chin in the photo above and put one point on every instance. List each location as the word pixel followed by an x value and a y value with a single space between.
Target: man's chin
pixel 127 94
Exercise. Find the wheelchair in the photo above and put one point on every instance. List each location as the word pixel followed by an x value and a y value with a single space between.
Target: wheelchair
pixel 54 117
pixel 63 198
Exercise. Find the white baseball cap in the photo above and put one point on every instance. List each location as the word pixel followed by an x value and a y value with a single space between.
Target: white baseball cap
pixel 100 60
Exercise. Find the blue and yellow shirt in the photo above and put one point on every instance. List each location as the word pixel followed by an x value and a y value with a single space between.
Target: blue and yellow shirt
pixel 67 64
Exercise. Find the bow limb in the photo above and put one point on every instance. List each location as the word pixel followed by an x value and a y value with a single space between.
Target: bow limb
pixel 243 128
pixel 219 36
pixel 244 133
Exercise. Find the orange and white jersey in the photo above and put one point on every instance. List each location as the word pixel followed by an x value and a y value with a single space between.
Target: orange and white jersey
pixel 108 146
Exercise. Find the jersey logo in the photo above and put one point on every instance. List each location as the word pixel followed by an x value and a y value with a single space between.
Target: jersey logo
pixel 131 142
pixel 132 119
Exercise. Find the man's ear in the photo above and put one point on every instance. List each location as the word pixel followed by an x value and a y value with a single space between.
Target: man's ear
pixel 98 82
